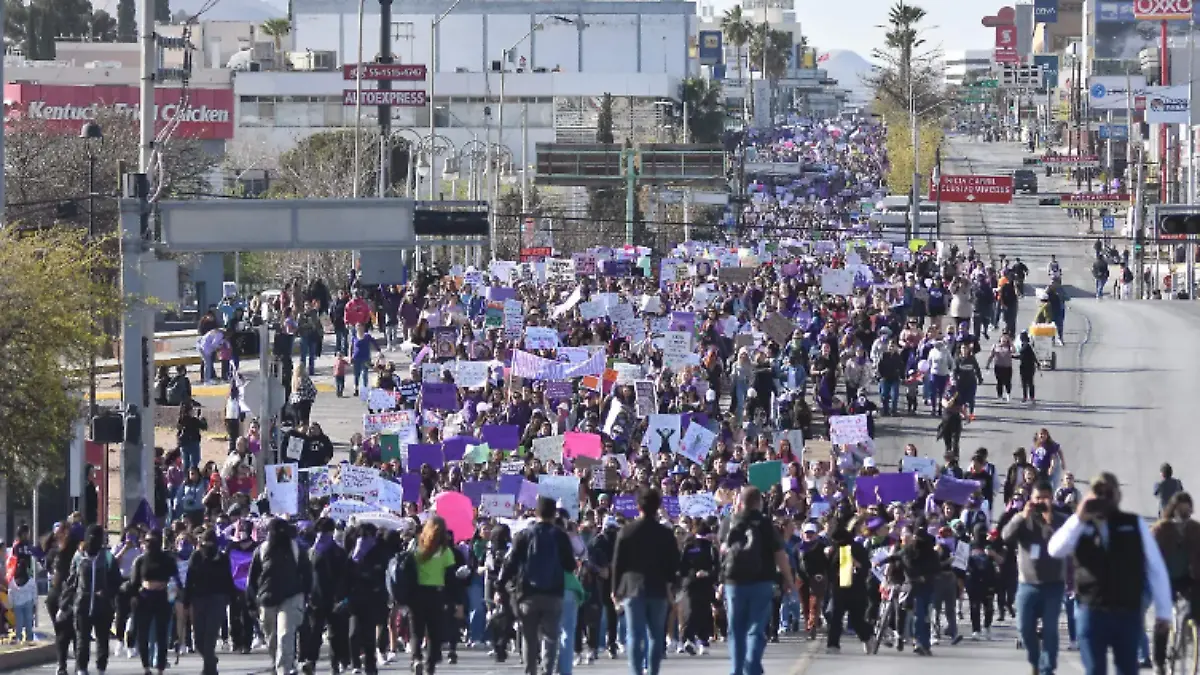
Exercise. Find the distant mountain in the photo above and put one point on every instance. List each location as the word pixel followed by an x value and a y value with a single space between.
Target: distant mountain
pixel 223 10
pixel 849 69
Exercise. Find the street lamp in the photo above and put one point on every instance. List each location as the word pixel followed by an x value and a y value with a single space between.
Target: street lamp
pixel 432 68
pixel 423 165
pixel 92 134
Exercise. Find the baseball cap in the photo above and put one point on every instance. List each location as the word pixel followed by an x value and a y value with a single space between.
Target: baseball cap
pixel 610 522
pixel 809 527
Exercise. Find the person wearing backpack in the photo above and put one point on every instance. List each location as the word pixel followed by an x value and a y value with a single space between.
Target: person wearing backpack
pixel 280 577
pixel 645 572
pixel 366 575
pixel 91 586
pixel 541 555
pixel 328 602
pixel 752 559
pixel 417 579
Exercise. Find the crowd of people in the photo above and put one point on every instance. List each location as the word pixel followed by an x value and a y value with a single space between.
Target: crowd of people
pixel 632 452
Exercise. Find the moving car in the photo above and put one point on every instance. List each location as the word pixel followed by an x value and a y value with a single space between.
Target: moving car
pixel 1025 180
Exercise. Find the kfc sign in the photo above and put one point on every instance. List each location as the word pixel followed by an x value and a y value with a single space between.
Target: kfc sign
pixel 206 114
pixel 1162 10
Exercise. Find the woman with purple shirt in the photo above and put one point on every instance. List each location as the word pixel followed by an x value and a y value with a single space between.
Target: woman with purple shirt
pixel 1046 456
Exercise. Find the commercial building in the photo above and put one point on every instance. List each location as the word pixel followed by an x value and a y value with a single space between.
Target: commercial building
pixel 962 65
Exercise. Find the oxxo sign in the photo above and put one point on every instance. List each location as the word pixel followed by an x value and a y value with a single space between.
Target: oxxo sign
pixel 1162 10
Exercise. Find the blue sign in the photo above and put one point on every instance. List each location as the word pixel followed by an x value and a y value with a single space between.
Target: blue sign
pixel 1109 223
pixel 1045 11
pixel 1050 64
pixel 710 48
pixel 1115 11
pixel 1117 132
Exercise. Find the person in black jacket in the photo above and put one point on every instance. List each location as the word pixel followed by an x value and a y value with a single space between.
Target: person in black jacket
pixel 849 566
pixel 698 572
pixel 645 568
pixel 366 574
pixel 891 371
pixel 60 549
pixel 921 564
pixel 601 555
pixel 280 577
pixel 91 586
pixel 208 588
pixel 151 573
pixel 328 602
pixel 541 556
pixel 501 617
pixel 814 575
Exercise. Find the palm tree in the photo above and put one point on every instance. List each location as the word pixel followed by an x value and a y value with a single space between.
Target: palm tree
pixel 771 50
pixel 736 28
pixel 904 34
pixel 705 110
pixel 277 29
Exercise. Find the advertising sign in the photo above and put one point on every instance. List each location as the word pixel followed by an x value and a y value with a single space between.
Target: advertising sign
pixel 711 48
pixel 1049 65
pixel 1162 10
pixel 1111 92
pixel 406 98
pixel 1006 45
pixel 1071 161
pixel 1119 35
pixel 208 113
pixel 1045 11
pixel 1089 200
pixel 386 71
pixel 1167 105
pixel 1117 132
pixel 974 189
pixel 1114 11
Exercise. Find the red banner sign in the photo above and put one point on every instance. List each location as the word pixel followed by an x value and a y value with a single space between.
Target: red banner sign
pixel 1006 45
pixel 1162 10
pixel 536 253
pixel 208 113
pixel 974 189
pixel 386 71
pixel 411 98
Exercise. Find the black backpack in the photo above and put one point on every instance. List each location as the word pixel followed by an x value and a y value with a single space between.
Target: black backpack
pixel 743 560
pixel 402 577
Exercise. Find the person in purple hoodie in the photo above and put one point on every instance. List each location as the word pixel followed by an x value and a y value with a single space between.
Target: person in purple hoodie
pixel 327 603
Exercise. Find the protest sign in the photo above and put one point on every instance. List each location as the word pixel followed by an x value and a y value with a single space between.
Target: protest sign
pixel 885 488
pixel 514 319
pixel 380 399
pixel 540 337
pixel 356 481
pixel 391 494
pixel 497 506
pixel 528 494
pixel 501 436
pixel 398 422
pixel 549 448
pixel 283 489
pixel 925 467
pixel 677 348
pixel 848 429
pixel 663 433
pixel 295 447
pixel 837 281
pixel 342 509
pixel 699 505
pixel 647 400
pixel 626 505
pixel 320 485
pixel 420 454
pixel 779 328
pixel 962 552
pixel 955 490
pixel 471 374
pixel 735 275
pixel 439 396
pixel 627 373
pixel 697 443
pixel 763 475
pixel 592 310
pixel 577 444
pixel 564 490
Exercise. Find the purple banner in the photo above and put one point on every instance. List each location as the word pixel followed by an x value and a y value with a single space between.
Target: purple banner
pixel 411 482
pixel 684 321
pixel 527 496
pixel 558 391
pixel 510 484
pixel 455 447
pixel 500 293
pixel 670 505
pixel 885 488
pixel 425 453
pixel 501 436
pixel 239 564
pixel 626 505
pixel 439 396
pixel 475 489
pixel 951 489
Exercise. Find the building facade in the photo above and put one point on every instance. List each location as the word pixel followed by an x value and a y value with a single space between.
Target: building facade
pixel 963 63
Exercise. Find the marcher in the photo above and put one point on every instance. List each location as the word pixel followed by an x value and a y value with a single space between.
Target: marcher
pixel 280 577
pixel 540 557
pixel 208 587
pixel 645 570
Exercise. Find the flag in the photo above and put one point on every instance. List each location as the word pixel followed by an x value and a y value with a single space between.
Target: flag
pixel 145 516
pixel 593 366
pixel 823 58
pixel 531 366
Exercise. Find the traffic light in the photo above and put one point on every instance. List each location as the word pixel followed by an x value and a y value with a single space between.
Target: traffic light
pixel 1177 220
pixel 1139 240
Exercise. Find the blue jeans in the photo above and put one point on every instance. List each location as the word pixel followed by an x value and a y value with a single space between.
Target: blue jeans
pixel 566 633
pixel 362 370
pixel 191 455
pixel 889 395
pixel 1101 630
pixel 646 621
pixel 748 607
pixel 207 374
pixel 341 340
pixel 922 598
pixel 1100 287
pixel 1069 609
pixel 308 352
pixel 477 611
pixel 1040 602
pixel 24 616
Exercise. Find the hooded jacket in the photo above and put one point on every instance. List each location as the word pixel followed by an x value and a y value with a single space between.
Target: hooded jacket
pixel 209 573
pixel 92 584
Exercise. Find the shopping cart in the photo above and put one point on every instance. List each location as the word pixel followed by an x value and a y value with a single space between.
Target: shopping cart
pixel 1042 335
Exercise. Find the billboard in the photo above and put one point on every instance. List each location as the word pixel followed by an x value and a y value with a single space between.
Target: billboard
pixel 1167 105
pixel 1120 36
pixel 1112 92
pixel 1006 45
pixel 1049 63
pixel 409 98
pixel 386 71
pixel 1045 11
pixel 1162 10
pixel 207 113
pixel 711 48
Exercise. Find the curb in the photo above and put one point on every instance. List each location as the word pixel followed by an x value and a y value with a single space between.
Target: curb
pixel 27 658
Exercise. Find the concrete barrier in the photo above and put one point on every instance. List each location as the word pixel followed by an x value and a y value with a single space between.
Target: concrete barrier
pixel 28 657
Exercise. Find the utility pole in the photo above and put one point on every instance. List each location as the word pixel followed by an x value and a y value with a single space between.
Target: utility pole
pixel 687 192
pixel 385 111
pixel 630 170
pixel 1190 257
pixel 914 207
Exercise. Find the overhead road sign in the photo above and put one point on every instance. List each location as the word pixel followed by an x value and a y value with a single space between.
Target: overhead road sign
pixel 1162 10
pixel 400 72
pixel 985 84
pixel 410 98
pixel 1095 201
pixel 1071 161
pixel 974 189
pixel 1117 132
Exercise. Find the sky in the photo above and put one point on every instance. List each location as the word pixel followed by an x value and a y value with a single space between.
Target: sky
pixel 951 24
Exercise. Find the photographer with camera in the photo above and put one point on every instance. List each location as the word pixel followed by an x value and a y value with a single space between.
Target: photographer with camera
pixel 1117 562
pixel 1042 577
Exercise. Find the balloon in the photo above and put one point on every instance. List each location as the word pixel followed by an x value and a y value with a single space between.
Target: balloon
pixel 456 509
